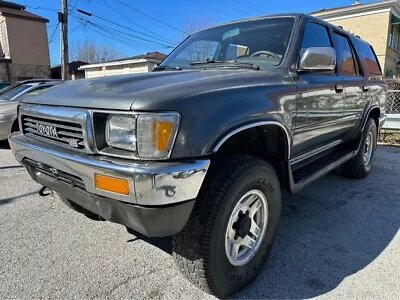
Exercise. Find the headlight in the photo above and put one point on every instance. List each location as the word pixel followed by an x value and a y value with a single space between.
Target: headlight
pixel 2 116
pixel 156 134
pixel 150 135
pixel 121 132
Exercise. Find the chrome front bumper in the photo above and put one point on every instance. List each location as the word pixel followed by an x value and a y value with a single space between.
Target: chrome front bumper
pixel 150 183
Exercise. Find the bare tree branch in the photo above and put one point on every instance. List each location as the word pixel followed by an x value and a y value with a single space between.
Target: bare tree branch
pixel 89 51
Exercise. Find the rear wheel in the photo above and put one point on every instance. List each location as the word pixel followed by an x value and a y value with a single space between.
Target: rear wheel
pixel 360 165
pixel 232 228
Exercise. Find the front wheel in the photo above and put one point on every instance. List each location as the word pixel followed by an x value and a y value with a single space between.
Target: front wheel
pixel 232 228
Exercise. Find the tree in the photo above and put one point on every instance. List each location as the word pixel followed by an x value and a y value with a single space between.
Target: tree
pixel 199 50
pixel 191 26
pixel 90 51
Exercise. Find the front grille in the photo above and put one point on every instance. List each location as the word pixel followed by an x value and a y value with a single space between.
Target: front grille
pixel 70 179
pixel 61 132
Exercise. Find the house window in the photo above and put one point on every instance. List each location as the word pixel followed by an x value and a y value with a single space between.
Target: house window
pixel 394 33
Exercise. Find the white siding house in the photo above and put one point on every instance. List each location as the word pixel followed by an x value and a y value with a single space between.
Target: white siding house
pixel 136 64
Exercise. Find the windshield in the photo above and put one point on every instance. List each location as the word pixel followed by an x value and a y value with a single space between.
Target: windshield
pixel 259 42
pixel 14 92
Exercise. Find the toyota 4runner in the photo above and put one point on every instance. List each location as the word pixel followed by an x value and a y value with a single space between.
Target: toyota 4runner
pixel 200 148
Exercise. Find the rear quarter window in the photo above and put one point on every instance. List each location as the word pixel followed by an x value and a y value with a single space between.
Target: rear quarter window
pixel 369 58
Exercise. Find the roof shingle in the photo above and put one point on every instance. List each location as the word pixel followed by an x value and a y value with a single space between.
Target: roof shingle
pixel 18 11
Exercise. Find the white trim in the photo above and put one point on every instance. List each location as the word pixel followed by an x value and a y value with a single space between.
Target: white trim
pixel 256 124
pixel 119 63
pixel 357 9
pixel 358 15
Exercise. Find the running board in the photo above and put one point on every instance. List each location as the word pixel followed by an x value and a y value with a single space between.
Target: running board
pixel 299 178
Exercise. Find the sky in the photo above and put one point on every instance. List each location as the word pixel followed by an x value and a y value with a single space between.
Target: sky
pixel 138 26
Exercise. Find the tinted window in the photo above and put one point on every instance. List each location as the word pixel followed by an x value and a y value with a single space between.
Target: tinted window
pixel 347 62
pixel 315 35
pixel 369 58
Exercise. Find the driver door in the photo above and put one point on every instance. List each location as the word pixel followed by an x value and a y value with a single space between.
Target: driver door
pixel 319 100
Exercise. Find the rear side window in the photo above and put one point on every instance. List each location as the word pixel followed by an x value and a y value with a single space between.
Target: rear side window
pixel 347 61
pixel 315 35
pixel 369 58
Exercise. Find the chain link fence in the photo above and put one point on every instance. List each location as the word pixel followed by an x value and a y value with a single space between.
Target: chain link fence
pixel 392 106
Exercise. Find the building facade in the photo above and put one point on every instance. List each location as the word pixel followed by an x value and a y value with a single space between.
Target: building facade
pixel 136 64
pixel 378 23
pixel 24 51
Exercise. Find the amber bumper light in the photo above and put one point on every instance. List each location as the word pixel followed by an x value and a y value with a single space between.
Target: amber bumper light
pixel 111 184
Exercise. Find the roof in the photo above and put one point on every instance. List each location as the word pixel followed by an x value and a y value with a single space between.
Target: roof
pixel 149 55
pixel 73 65
pixel 356 8
pixel 11 9
pixel 155 57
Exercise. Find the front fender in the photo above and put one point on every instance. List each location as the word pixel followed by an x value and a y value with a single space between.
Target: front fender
pixel 209 120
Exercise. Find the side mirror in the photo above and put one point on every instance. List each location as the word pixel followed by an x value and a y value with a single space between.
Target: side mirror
pixel 318 59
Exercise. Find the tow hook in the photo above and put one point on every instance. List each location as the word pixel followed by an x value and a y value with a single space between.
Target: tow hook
pixel 45 191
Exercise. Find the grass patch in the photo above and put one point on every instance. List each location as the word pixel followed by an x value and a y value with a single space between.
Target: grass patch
pixel 389 136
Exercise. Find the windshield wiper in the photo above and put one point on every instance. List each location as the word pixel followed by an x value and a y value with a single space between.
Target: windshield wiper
pixel 247 65
pixel 206 62
pixel 228 64
pixel 167 68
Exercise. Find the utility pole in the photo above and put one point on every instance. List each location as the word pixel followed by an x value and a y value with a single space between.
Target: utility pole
pixel 63 19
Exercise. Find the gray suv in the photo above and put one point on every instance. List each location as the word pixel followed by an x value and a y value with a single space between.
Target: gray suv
pixel 201 148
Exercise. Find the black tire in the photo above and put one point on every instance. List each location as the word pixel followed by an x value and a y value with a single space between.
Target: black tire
pixel 357 167
pixel 199 250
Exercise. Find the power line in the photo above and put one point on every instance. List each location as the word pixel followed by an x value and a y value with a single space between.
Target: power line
pixel 40 7
pixel 120 36
pixel 154 35
pixel 53 34
pixel 248 6
pixel 151 17
pixel 128 28
pixel 73 6
pixel 214 9
pixel 225 7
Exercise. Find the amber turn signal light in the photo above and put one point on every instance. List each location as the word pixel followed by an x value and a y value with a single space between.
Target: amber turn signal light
pixel 163 132
pixel 111 184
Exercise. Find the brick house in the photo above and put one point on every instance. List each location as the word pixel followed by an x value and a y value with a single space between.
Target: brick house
pixel 24 51
pixel 378 23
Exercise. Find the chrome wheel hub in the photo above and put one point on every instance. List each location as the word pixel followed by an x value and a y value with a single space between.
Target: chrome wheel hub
pixel 369 144
pixel 246 227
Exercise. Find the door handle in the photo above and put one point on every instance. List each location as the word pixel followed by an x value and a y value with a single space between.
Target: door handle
pixel 339 88
pixel 365 88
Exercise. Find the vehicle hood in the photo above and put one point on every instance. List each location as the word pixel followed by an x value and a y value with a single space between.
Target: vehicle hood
pixel 138 91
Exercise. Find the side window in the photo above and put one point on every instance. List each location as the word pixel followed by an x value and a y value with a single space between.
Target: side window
pixel 315 35
pixel 347 61
pixel 369 58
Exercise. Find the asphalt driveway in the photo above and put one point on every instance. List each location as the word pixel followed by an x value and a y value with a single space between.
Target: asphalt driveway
pixel 339 238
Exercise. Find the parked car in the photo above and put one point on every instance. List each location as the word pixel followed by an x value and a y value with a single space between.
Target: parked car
pixel 9 103
pixel 200 149
pixel 17 83
pixel 4 84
